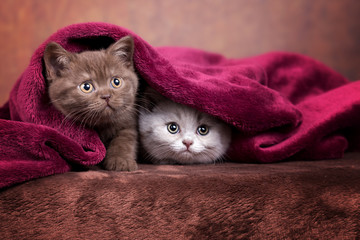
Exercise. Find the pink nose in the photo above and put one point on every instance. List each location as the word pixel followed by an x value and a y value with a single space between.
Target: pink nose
pixel 106 97
pixel 187 143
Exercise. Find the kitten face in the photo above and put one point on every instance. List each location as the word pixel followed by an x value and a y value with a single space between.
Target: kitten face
pixel 93 88
pixel 174 133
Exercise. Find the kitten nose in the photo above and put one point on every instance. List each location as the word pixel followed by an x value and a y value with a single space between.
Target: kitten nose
pixel 187 143
pixel 106 97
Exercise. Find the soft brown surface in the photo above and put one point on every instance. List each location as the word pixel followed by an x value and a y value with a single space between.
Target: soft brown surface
pixel 292 200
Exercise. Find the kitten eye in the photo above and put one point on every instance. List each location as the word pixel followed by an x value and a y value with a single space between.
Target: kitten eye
pixel 86 87
pixel 116 82
pixel 173 128
pixel 203 130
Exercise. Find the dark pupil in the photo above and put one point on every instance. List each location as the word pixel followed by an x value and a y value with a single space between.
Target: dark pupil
pixel 116 81
pixel 87 86
pixel 173 127
pixel 202 129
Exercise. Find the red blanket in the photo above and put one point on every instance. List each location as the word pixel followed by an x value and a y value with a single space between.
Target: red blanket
pixel 282 105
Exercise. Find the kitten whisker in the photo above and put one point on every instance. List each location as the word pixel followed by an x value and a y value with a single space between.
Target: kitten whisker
pixel 148 157
pixel 140 107
pixel 95 116
pixel 161 151
pixel 55 100
pixel 69 118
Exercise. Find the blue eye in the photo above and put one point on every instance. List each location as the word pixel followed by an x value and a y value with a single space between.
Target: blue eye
pixel 203 130
pixel 116 82
pixel 173 128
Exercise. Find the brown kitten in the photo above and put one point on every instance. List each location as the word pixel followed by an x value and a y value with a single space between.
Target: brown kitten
pixel 98 89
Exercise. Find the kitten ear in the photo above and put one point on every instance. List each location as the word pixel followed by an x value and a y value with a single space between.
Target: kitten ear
pixel 124 49
pixel 56 59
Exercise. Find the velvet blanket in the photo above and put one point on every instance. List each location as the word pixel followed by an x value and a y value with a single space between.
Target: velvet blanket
pixel 281 105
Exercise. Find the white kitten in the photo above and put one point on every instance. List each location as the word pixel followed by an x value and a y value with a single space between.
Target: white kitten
pixel 174 133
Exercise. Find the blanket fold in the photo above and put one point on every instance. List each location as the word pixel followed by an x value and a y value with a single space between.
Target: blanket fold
pixel 281 105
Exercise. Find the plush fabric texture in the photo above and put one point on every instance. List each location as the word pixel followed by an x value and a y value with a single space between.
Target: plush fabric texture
pixel 281 105
pixel 289 200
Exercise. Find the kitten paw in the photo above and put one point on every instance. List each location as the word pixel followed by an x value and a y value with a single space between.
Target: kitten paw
pixel 119 164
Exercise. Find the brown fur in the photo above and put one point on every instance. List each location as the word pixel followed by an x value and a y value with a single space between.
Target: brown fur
pixel 115 122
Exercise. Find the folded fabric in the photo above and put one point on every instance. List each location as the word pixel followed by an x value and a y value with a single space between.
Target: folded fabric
pixel 282 105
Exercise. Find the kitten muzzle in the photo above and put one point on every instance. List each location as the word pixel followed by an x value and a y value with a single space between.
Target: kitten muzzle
pixel 187 143
pixel 106 97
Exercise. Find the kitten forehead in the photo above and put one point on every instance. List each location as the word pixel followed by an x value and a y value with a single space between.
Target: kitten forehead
pixel 85 75
pixel 105 74
pixel 171 111
pixel 99 66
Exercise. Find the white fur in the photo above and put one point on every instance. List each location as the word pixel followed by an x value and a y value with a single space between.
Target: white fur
pixel 163 147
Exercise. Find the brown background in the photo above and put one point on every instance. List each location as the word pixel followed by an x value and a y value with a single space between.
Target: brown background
pixel 328 30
